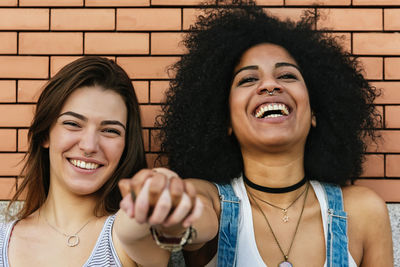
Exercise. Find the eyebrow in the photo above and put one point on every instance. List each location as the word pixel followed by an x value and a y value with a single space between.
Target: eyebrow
pixel 277 65
pixel 83 118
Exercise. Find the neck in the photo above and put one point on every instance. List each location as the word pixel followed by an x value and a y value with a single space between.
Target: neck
pixel 67 211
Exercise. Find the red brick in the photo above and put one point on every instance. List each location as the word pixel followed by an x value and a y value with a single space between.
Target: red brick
pixel 47 43
pixel 24 19
pixel 23 67
pixel 319 2
pixel 392 66
pixel 270 2
pixel 389 143
pixel 83 19
pixel 343 39
pixel 116 43
pixel 7 88
pixel 9 3
pixel 157 91
pixel 17 115
pixel 391 19
pixel 29 90
pixel 176 2
pixel 190 16
pixel 388 190
pixel 56 63
pixel 8 42
pixel 48 3
pixel 293 14
pixel 7 188
pixel 344 19
pixel 146 67
pixel 167 43
pixel 374 166
pixel 155 144
pixel 151 160
pixel 393 166
pixel 8 140
pixel 146 140
pixel 148 114
pixel 115 3
pixel 390 92
pixel 11 164
pixel 142 91
pixel 149 19
pixel 392 117
pixel 22 140
pixel 375 3
pixel 373 67
pixel 376 43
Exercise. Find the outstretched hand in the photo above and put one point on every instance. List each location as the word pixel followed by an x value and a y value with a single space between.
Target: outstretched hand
pixel 160 197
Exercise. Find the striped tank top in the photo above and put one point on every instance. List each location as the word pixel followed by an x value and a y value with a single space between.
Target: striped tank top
pixel 103 253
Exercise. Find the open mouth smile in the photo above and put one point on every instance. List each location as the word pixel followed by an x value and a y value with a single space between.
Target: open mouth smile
pixel 84 165
pixel 271 110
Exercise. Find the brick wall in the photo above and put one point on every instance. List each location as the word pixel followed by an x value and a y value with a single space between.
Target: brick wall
pixel 38 37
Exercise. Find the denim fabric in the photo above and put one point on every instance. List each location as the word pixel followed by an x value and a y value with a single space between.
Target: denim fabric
pixel 337 243
pixel 228 226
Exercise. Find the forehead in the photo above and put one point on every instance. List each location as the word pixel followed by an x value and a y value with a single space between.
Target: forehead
pixel 96 102
pixel 265 53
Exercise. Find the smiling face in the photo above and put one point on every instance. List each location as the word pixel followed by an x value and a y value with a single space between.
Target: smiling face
pixel 87 140
pixel 269 121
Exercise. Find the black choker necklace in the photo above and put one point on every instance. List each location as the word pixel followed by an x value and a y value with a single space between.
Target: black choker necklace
pixel 274 190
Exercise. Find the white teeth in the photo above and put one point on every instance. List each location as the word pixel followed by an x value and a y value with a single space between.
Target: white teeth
pixel 84 165
pixel 282 107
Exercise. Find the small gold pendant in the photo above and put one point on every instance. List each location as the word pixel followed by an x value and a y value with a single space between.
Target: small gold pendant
pixel 285 218
pixel 72 240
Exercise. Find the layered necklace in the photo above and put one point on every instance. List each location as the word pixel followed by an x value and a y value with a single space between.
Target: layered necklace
pixel 73 239
pixel 285 262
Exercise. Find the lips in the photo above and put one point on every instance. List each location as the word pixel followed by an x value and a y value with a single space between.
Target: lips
pixel 271 110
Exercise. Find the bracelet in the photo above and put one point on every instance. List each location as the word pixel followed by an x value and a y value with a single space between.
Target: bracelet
pixel 173 244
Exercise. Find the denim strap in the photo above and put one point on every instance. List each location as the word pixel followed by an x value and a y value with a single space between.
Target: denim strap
pixel 228 226
pixel 337 243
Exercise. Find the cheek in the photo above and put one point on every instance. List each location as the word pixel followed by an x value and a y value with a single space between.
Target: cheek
pixel 114 150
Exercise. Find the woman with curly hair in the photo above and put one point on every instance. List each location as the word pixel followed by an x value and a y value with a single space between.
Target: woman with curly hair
pixel 271 118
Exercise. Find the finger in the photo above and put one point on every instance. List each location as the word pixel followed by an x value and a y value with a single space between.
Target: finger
pixel 166 172
pixel 181 211
pixel 138 180
pixel 176 189
pixel 142 203
pixel 195 214
pixel 161 209
pixel 191 191
pixel 127 205
pixel 124 187
pixel 158 183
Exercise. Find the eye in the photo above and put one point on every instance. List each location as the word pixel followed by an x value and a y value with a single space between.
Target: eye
pixel 247 80
pixel 111 131
pixel 287 76
pixel 71 124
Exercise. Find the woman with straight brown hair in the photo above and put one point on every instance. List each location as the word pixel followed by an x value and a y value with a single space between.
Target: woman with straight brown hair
pixel 85 137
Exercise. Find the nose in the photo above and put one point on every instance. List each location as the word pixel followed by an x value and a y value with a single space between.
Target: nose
pixel 88 143
pixel 269 86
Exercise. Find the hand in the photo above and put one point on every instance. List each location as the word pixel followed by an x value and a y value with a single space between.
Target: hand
pixel 160 197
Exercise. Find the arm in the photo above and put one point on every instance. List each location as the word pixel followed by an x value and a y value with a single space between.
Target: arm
pixel 370 236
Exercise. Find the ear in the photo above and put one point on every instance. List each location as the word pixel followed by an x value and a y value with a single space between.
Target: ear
pixel 313 120
pixel 46 143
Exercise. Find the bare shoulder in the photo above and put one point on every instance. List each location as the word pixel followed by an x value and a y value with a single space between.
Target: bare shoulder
pixel 370 239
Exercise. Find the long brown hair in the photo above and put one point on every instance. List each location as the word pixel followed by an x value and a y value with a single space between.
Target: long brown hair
pixel 86 71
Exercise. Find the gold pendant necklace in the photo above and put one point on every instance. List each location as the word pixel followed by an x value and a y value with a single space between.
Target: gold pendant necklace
pixel 285 216
pixel 285 262
pixel 72 240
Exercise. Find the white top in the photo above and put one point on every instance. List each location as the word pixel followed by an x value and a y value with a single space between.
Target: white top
pixel 248 254
pixel 103 253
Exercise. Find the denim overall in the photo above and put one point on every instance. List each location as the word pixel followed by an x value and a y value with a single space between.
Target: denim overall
pixel 336 243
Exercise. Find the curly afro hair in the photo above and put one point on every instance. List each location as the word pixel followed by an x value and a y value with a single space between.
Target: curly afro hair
pixel 194 124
